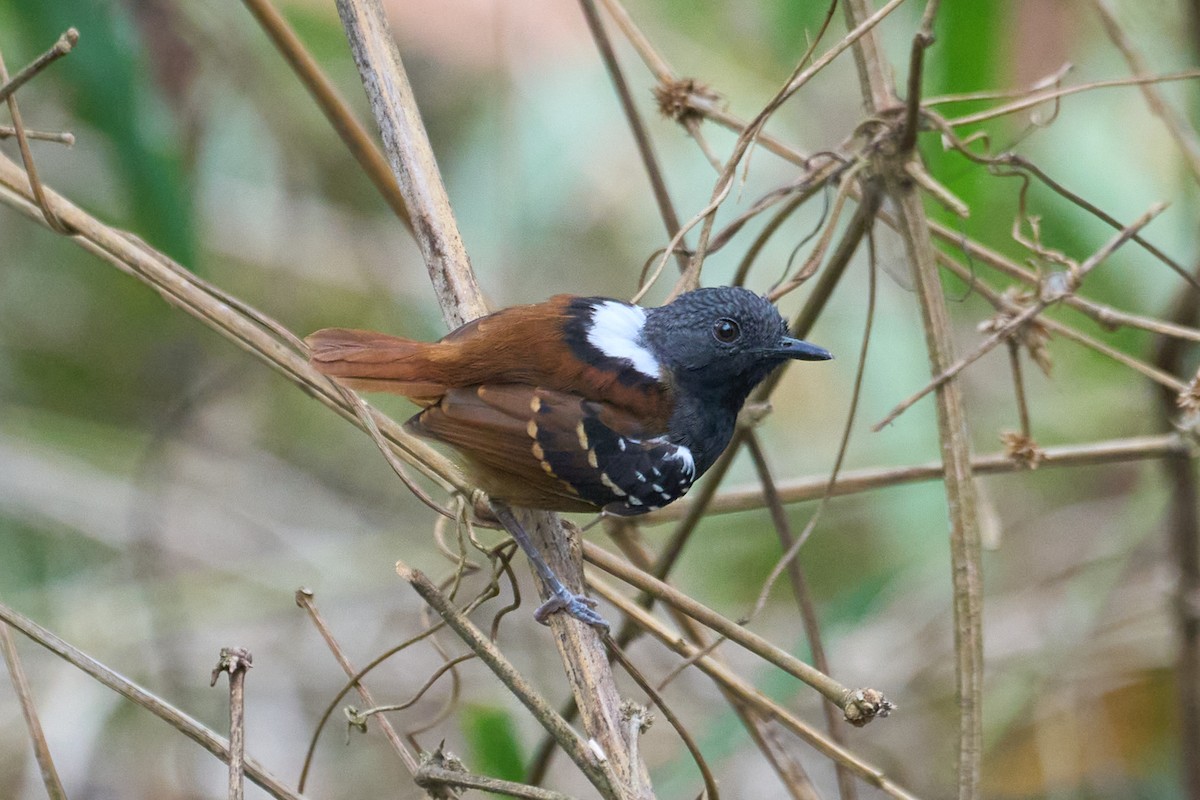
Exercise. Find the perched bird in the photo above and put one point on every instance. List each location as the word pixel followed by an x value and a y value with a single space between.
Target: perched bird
pixel 579 403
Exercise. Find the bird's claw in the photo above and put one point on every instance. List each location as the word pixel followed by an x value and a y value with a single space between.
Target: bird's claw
pixel 578 606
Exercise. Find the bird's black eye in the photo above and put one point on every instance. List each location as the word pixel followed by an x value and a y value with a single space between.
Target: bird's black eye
pixel 727 330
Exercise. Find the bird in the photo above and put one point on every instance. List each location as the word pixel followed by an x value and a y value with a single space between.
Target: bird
pixel 579 403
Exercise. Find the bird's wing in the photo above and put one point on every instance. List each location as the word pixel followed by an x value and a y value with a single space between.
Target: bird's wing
pixel 554 450
pixel 530 344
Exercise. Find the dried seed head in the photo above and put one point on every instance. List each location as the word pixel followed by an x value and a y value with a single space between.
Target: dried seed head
pixel 675 98
pixel 1022 449
pixel 1034 336
pixel 1189 399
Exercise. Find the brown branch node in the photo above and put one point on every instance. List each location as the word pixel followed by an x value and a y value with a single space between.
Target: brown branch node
pixel 1188 400
pixel 678 99
pixel 232 660
pixel 1022 449
pixel 864 705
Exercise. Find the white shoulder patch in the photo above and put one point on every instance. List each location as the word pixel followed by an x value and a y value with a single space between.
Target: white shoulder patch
pixel 616 331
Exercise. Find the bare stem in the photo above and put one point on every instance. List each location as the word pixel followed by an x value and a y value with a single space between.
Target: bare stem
pixel 332 105
pixel 306 601
pixel 64 45
pixel 411 156
pixel 799 490
pixel 236 661
pixel 177 719
pixel 41 749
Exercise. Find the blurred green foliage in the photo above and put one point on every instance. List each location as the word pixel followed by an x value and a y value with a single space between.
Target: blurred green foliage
pixel 162 495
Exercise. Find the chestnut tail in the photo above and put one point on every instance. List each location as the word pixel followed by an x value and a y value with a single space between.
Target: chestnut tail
pixel 378 362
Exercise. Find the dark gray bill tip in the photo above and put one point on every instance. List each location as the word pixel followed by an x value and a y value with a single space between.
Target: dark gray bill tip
pixel 801 350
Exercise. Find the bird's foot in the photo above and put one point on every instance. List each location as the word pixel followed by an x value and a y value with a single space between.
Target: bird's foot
pixel 578 606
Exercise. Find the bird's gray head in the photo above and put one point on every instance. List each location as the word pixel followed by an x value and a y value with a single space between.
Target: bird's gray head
pixel 721 342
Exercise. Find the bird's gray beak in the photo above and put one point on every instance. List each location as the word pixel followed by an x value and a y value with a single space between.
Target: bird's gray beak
pixel 801 350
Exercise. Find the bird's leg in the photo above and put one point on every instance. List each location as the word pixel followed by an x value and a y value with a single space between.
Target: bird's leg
pixel 561 598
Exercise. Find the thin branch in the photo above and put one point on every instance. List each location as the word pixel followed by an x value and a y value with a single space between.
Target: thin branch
pixel 58 137
pixel 490 655
pixel 1177 126
pixel 710 783
pixel 248 328
pixel 844 698
pixel 306 601
pixel 236 661
pixel 41 749
pixel 1104 315
pixel 966 567
pixel 1053 79
pixel 804 601
pixel 1037 98
pixel 1183 534
pixel 730 680
pixel 1048 297
pixel 39 195
pixel 439 779
pixel 637 127
pixel 352 133
pixel 177 719
pixel 855 481
pixel 65 44
pixel 691 278
pixel 411 157
pixel 1053 326
pixel 762 731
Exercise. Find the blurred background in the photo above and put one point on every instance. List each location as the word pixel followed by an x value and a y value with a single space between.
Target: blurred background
pixel 163 495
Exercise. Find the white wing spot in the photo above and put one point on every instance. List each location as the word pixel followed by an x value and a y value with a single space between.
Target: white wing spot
pixel 684 456
pixel 656 487
pixel 621 444
pixel 616 331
